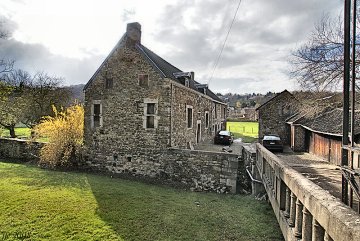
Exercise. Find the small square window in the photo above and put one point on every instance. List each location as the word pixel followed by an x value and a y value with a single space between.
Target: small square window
pixel 108 83
pixel 143 80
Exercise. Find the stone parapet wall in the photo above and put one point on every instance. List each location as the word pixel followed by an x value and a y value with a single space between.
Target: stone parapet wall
pixel 19 149
pixel 303 209
pixel 197 170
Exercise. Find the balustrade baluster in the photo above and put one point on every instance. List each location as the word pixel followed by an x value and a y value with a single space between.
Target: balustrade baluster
pixel 287 203
pixel 292 210
pixel 317 231
pixel 306 225
pixel 298 219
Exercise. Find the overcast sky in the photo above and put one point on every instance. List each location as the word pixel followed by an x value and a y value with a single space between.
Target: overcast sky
pixel 70 38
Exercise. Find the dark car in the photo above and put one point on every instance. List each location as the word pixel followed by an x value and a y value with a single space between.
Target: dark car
pixel 273 143
pixel 223 137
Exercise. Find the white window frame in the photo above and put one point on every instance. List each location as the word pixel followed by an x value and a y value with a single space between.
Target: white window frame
pixel 207 122
pixel 187 82
pixel 155 115
pixel 96 102
pixel 187 117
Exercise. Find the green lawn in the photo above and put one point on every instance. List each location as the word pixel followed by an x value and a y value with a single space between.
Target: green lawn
pixel 248 131
pixel 52 205
pixel 21 132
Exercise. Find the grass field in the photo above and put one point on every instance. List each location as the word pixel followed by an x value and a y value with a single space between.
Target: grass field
pixel 248 131
pixel 39 204
pixel 21 132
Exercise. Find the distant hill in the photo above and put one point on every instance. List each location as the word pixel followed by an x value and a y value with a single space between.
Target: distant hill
pixel 77 93
pixel 245 100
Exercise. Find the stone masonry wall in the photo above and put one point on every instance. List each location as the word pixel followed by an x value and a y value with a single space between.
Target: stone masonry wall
pixel 19 149
pixel 272 116
pixel 298 138
pixel 123 107
pixel 197 170
pixel 181 134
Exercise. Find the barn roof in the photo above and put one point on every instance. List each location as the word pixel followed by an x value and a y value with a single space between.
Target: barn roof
pixel 277 96
pixel 328 122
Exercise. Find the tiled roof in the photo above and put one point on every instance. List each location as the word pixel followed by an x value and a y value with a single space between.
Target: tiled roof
pixel 328 122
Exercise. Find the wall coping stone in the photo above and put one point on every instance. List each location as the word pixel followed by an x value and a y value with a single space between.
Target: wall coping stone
pixel 338 220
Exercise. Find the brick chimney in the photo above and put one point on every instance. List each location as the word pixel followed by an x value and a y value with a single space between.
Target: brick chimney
pixel 133 33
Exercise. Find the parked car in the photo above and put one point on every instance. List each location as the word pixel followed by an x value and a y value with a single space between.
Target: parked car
pixel 273 143
pixel 223 137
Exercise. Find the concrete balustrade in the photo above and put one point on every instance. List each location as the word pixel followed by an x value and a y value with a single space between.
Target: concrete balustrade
pixel 303 209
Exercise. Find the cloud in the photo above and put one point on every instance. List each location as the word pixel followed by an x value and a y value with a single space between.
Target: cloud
pixel 36 57
pixel 260 42
pixel 188 33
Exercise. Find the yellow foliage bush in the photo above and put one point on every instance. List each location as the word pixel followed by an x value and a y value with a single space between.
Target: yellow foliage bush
pixel 64 132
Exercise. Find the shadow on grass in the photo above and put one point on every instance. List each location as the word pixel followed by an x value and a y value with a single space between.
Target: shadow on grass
pixel 138 211
pixel 87 205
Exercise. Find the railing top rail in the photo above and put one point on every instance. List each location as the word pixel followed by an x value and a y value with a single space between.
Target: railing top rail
pixel 339 221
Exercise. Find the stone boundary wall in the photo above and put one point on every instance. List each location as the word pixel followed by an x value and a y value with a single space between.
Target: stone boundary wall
pixel 198 170
pixel 303 209
pixel 22 150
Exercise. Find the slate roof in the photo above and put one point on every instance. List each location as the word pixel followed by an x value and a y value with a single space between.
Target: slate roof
pixel 274 98
pixel 167 70
pixel 164 68
pixel 328 122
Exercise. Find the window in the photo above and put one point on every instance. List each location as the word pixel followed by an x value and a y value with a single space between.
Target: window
pixel 189 116
pixel 150 118
pixel 215 112
pixel 187 82
pixel 150 113
pixel 108 83
pixel 143 80
pixel 207 119
pixel 96 114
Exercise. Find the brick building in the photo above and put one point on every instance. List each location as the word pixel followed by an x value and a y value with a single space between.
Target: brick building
pixel 273 115
pixel 137 105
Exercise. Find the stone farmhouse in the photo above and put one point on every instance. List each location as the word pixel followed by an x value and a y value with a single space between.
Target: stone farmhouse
pixel 137 105
pixel 273 114
pixel 314 130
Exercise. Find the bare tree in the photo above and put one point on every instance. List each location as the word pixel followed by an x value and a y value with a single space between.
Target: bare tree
pixel 318 64
pixel 44 92
pixel 15 105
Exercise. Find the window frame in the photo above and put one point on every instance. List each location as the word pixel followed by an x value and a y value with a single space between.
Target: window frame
pixel 96 102
pixel 189 107
pixel 153 114
pixel 207 120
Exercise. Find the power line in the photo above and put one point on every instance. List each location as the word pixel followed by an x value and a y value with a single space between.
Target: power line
pixel 223 46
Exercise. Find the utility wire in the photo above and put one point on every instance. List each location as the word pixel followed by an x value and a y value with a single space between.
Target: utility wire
pixel 223 46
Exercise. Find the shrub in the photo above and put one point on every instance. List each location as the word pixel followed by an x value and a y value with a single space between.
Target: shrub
pixel 64 133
